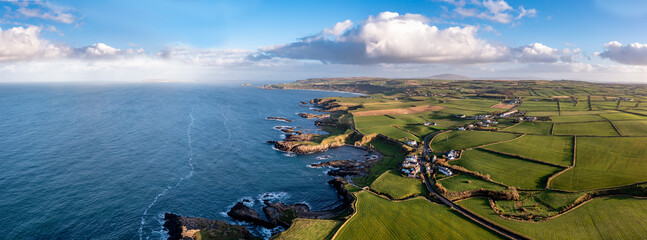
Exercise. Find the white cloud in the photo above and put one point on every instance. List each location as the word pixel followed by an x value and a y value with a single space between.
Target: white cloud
pixel 393 38
pixel 339 28
pixel 45 10
pixel 632 54
pixel 19 43
pixel 494 10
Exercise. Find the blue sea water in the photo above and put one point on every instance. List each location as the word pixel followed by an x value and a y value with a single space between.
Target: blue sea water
pixel 97 161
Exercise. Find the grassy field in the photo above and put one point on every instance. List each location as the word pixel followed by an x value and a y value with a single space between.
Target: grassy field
pixel 577 118
pixel 632 128
pixel 532 128
pixel 586 129
pixel 392 132
pixel 538 106
pixel 309 229
pixel 392 157
pixel 556 200
pixel 507 170
pixel 378 218
pixel 421 130
pixel 605 162
pixel 456 140
pixel 622 116
pixel 397 187
pixel 603 218
pixel 464 182
pixel 552 149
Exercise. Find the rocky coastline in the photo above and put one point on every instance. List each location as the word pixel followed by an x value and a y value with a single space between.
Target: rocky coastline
pixel 188 228
pixel 278 214
pixel 282 119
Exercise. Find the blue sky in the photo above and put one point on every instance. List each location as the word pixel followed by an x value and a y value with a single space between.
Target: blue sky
pixel 229 41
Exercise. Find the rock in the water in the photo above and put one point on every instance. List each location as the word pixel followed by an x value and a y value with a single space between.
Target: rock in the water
pixel 282 214
pixel 186 228
pixel 243 213
pixel 279 119
pixel 313 116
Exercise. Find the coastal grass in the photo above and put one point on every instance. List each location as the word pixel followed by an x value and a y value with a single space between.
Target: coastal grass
pixel 394 186
pixel 421 130
pixel 532 128
pixel 557 200
pixel 602 218
pixel 508 170
pixel 552 149
pixel 416 218
pixel 456 140
pixel 309 229
pixel 632 128
pixel 464 182
pixel 586 129
pixel 393 156
pixel 605 162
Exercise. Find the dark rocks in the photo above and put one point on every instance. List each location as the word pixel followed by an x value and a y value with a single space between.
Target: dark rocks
pixel 313 116
pixel 336 164
pixel 282 215
pixel 186 228
pixel 279 119
pixel 243 213
pixel 299 137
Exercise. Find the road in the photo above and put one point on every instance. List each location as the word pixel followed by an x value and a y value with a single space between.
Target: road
pixel 476 218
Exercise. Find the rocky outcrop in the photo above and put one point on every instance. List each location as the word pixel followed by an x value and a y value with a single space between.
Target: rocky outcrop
pixel 336 164
pixel 299 137
pixel 242 212
pixel 282 215
pixel 186 228
pixel 299 148
pixel 279 119
pixel 343 168
pixel 313 116
pixel 285 129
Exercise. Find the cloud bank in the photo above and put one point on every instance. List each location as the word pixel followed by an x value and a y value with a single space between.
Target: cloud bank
pixel 632 54
pixel 393 38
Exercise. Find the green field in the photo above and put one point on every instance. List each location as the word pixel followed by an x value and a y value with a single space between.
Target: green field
pixel 585 129
pixel 577 118
pixel 538 106
pixel 605 162
pixel 622 116
pixel 603 218
pixel 532 128
pixel 309 229
pixel 507 170
pixel 456 140
pixel 395 186
pixel 391 132
pixel 552 149
pixel 464 182
pixel 417 218
pixel 632 128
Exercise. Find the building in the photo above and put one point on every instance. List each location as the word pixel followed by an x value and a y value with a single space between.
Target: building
pixel 446 171
pixel 412 143
pixel 451 155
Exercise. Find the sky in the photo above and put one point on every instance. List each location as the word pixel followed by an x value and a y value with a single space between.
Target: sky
pixel 280 41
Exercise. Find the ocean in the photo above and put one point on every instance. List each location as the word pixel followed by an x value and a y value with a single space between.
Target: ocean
pixel 106 161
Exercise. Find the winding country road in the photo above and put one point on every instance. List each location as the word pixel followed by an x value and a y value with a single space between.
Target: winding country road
pixel 476 218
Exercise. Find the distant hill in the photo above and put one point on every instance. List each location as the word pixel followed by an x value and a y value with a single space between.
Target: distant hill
pixel 449 76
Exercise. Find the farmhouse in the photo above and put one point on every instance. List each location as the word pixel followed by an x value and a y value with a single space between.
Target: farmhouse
pixel 508 113
pixel 412 143
pixel 452 154
pixel 446 171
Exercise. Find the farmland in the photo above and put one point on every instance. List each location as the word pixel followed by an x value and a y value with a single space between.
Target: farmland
pixel 309 229
pixel 605 162
pixel 535 148
pixel 506 170
pixel 395 186
pixel 586 129
pixel 604 218
pixel 456 140
pixel 417 218
pixel 552 149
